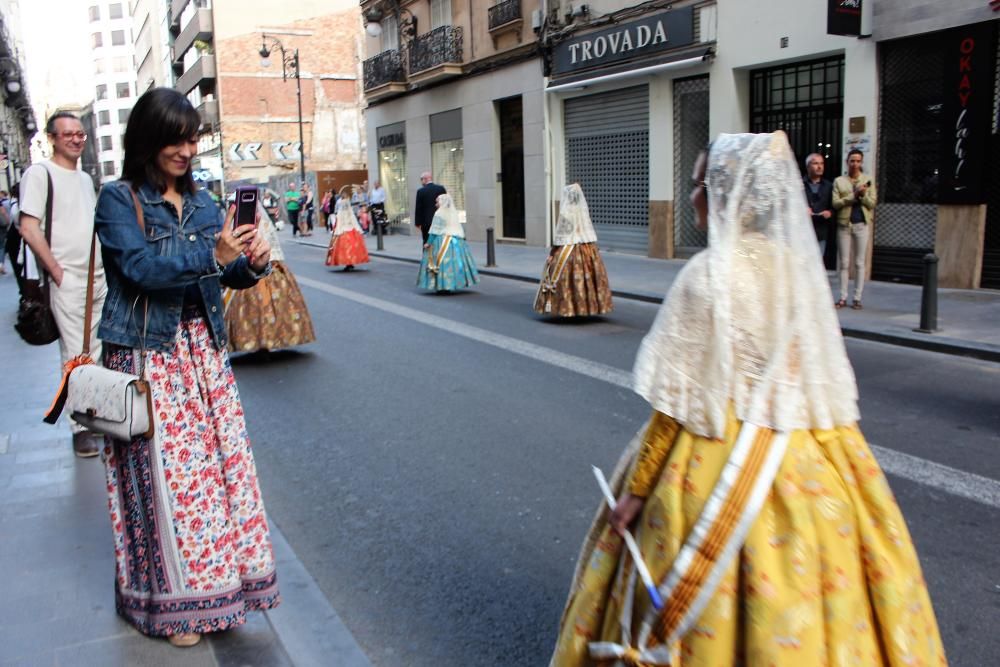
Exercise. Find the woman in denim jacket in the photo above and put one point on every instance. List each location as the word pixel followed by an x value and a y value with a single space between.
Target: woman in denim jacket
pixel 192 548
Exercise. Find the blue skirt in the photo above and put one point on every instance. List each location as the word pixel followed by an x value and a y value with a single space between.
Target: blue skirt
pixel 452 270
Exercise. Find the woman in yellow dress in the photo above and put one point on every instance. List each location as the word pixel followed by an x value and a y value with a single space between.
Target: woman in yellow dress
pixel 765 521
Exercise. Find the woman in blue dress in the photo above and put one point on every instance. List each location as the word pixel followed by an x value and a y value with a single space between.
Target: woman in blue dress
pixel 447 264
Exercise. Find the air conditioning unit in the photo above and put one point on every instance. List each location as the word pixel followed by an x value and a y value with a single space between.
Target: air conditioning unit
pixel 536 20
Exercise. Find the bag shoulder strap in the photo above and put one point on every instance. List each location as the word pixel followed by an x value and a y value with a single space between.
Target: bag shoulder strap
pixel 88 317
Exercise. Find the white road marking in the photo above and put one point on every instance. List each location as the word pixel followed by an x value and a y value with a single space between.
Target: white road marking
pixel 935 475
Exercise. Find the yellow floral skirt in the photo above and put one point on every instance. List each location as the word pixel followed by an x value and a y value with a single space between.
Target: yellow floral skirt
pixel 827 574
pixel 271 315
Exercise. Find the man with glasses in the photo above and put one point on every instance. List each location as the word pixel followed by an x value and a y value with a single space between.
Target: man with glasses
pixel 66 258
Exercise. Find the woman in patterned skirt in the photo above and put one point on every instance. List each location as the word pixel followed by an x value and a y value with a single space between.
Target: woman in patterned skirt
pixel 574 282
pixel 347 247
pixel 446 264
pixel 192 548
pixel 766 524
pixel 272 315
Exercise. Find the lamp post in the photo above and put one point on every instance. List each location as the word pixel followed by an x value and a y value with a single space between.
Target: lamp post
pixel 289 64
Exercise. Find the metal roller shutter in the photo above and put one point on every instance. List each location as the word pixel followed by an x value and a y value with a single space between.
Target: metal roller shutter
pixel 607 153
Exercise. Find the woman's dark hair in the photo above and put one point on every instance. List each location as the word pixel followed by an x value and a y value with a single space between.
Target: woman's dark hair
pixel 161 117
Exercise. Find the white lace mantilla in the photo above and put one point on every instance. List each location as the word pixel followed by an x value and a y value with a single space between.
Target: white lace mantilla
pixel 345 220
pixel 574 224
pixel 749 322
pixel 446 219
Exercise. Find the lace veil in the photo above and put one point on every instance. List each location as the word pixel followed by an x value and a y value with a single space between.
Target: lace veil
pixel 446 218
pixel 346 220
pixel 574 225
pixel 749 322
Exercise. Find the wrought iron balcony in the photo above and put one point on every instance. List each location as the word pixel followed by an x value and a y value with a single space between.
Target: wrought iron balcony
pixel 504 12
pixel 385 68
pixel 441 46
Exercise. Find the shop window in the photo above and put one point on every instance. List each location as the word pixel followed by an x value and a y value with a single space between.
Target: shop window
pixel 448 168
pixel 392 174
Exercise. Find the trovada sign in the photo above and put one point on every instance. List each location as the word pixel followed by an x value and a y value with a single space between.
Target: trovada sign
pixel 641 38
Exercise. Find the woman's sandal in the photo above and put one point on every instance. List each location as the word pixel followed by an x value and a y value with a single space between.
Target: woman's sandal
pixel 840 304
pixel 856 305
pixel 184 639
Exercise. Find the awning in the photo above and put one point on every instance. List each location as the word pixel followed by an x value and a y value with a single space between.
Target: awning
pixel 687 58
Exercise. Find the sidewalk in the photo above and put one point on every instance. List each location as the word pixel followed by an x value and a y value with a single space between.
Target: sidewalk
pixel 57 559
pixel 969 320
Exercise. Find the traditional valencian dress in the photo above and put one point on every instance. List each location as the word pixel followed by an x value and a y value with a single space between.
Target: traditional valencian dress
pixel 447 264
pixel 347 247
pixel 767 524
pixel 272 315
pixel 574 282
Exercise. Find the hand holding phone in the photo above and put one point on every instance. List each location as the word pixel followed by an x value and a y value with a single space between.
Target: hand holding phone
pixel 246 206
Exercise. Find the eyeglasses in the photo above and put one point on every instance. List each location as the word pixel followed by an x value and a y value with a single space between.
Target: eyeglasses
pixel 82 136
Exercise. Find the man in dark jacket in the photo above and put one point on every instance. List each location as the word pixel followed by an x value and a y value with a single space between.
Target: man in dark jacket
pixel 423 211
pixel 819 194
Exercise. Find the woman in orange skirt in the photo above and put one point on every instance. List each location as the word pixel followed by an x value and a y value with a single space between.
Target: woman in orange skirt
pixel 347 247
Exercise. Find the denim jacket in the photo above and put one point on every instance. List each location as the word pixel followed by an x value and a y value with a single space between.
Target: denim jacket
pixel 173 255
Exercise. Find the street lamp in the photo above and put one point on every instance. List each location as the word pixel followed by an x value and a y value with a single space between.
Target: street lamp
pixel 289 65
pixel 373 16
pixel 11 75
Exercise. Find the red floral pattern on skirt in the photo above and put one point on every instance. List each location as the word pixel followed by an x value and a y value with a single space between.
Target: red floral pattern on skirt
pixel 347 249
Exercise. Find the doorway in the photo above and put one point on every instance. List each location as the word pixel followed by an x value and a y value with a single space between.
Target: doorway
pixel 512 167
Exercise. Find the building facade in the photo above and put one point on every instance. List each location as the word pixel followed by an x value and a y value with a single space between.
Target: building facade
pixel 253 131
pixel 456 89
pixel 151 44
pixel 17 121
pixel 110 27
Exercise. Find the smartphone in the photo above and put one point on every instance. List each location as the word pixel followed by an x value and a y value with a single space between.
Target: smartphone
pixel 246 206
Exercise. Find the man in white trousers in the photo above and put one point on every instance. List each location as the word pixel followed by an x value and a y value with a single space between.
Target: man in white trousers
pixel 67 259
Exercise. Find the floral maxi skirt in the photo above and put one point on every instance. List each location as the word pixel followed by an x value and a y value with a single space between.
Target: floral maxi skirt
pixel 826 575
pixel 574 283
pixel 192 547
pixel 271 315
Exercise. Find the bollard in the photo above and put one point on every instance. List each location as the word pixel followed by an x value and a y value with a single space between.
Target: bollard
pixel 491 256
pixel 928 297
pixel 378 232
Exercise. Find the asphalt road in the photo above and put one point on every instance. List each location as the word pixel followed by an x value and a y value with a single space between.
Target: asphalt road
pixel 437 485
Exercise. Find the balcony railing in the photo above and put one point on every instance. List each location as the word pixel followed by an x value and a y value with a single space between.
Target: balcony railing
pixel 440 46
pixel 386 67
pixel 504 12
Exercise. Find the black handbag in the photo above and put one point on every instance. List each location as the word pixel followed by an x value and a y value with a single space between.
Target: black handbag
pixel 35 323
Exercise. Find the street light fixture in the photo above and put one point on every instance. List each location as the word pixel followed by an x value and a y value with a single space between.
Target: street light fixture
pixel 289 67
pixel 373 16
pixel 11 74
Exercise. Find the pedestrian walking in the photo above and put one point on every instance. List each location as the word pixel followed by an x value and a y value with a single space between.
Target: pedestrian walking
pixel 192 546
pixel 854 200
pixel 347 245
pixel 446 264
pixel 426 204
pixel 271 315
pixel 574 281
pixel 763 518
pixel 292 207
pixel 326 208
pixel 5 223
pixel 56 194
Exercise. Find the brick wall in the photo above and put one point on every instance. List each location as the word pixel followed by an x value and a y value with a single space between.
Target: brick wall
pixel 257 106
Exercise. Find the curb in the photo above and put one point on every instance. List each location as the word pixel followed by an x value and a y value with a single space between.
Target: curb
pixel 950 346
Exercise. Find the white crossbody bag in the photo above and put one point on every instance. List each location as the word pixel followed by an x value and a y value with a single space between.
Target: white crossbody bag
pixel 113 403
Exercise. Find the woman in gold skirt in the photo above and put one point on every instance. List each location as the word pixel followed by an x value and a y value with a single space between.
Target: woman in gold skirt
pixel 768 528
pixel 574 282
pixel 271 315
